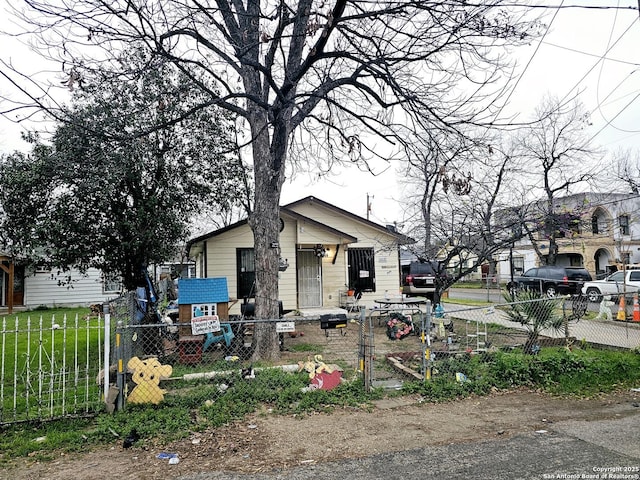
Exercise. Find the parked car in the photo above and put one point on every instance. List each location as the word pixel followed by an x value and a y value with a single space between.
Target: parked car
pixel 615 284
pixel 418 278
pixel 553 279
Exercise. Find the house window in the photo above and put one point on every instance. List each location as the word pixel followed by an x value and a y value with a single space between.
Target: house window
pixel 518 265
pixel 623 221
pixel 246 272
pixel 574 227
pixel 203 310
pixel 594 225
pixel 111 284
pixel 362 272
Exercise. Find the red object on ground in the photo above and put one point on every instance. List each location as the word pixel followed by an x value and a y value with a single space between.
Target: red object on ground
pixel 327 381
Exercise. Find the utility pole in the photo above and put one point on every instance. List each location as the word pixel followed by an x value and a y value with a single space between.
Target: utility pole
pixel 369 200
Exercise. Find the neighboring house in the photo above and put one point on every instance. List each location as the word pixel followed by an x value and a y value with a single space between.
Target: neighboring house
pixel 44 287
pixel 324 251
pixel 11 291
pixel 607 233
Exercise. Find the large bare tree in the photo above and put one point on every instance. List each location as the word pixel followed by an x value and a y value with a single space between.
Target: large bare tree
pixel 626 170
pixel 351 69
pixel 557 156
pixel 459 192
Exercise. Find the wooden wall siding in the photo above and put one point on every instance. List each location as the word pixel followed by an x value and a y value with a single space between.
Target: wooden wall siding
pixel 43 289
pixel 310 234
pixel 221 255
pixel 383 243
pixel 334 276
pixel 287 279
pixel 221 261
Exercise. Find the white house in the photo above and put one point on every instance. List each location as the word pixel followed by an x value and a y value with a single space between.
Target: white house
pixel 24 288
pixel 324 251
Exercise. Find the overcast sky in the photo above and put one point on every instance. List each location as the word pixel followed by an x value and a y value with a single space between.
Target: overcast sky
pixel 593 53
pixel 590 52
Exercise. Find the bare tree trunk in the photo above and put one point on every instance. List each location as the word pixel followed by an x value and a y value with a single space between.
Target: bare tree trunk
pixel 265 234
pixel 269 176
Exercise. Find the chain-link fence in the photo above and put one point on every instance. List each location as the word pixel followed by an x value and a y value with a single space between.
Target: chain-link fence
pixel 158 355
pixel 403 352
pixel 323 350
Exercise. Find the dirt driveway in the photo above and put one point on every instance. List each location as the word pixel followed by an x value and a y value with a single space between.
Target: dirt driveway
pixel 265 441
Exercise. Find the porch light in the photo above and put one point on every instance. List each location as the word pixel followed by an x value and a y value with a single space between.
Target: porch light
pixel 320 251
pixel 283 264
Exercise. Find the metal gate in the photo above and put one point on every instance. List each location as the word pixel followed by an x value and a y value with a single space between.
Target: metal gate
pixel 309 279
pixel 385 357
pixel 50 367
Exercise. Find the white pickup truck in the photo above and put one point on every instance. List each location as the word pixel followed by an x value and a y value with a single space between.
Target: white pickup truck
pixel 615 284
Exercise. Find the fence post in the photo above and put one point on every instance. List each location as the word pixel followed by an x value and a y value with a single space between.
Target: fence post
pixel 120 383
pixel 425 339
pixel 107 349
pixel 368 351
pixel 361 355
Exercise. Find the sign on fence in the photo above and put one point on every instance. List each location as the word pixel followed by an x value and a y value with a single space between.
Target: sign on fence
pixel 284 327
pixel 205 324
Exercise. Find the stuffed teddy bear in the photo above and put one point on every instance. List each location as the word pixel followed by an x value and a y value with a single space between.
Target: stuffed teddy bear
pixel 605 308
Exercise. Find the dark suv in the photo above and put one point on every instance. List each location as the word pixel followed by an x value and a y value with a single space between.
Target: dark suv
pixel 418 278
pixel 553 279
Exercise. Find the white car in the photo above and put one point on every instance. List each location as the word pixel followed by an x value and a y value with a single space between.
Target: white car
pixel 615 284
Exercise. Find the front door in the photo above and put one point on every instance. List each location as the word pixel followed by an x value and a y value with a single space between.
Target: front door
pixel 309 279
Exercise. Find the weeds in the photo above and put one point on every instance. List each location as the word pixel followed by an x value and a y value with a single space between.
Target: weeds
pixel 196 406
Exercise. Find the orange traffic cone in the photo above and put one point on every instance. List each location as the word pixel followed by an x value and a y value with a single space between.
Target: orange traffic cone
pixel 622 313
pixel 636 308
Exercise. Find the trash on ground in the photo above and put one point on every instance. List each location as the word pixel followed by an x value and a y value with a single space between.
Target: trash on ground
pixel 165 455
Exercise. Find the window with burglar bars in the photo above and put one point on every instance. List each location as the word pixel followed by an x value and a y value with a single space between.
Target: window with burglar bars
pixel 624 224
pixel 362 272
pixel 246 272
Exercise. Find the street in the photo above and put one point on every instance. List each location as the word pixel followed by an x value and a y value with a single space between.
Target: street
pixel 599 449
pixel 610 333
pixel 495 295
pixel 480 294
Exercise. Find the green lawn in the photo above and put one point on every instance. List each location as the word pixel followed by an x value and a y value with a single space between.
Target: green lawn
pixel 49 360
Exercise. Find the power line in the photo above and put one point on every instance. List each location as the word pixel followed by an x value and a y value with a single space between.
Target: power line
pixel 608 122
pixel 562 6
pixel 575 50
pixel 599 103
pixel 506 101
pixel 600 59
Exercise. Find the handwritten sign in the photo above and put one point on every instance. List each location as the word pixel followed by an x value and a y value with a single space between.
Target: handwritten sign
pixel 205 324
pixel 283 327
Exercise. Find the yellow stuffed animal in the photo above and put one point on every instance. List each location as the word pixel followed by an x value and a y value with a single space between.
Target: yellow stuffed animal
pixel 147 375
pixel 314 367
